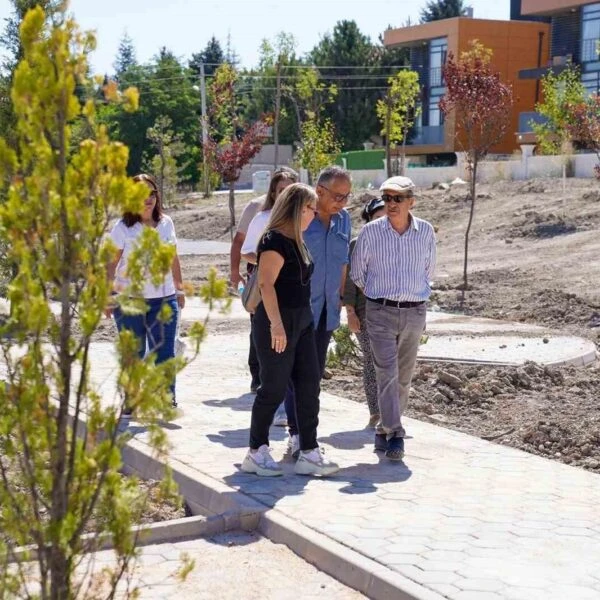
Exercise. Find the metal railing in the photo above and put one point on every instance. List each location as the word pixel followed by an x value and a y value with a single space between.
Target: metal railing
pixel 590 50
pixel 436 77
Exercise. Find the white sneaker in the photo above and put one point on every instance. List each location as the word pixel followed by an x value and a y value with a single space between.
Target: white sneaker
pixel 293 446
pixel 312 462
pixel 261 462
pixel 280 418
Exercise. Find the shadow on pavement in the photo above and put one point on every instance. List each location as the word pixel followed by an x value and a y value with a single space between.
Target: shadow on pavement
pixel 238 438
pixel 243 402
pixel 361 478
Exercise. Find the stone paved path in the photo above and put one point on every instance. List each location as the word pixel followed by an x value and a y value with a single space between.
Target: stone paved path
pixel 464 518
pixel 241 559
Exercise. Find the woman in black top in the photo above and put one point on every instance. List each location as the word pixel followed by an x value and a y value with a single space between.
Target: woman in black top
pixel 284 336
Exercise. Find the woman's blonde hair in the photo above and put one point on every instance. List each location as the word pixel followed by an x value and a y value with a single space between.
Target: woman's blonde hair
pixel 287 211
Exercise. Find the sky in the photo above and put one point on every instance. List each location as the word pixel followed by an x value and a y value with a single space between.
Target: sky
pixel 185 26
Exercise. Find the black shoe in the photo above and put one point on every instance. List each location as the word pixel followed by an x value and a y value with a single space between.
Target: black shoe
pixel 380 442
pixel 254 385
pixel 395 448
pixel 174 403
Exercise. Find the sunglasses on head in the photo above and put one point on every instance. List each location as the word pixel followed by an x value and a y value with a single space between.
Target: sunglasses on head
pixel 395 198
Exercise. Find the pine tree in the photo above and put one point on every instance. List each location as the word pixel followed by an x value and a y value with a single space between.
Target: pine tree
pixel 211 56
pixel 125 56
pixel 435 10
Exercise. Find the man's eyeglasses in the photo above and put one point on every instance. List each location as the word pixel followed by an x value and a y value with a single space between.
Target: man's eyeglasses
pixel 338 197
pixel 393 198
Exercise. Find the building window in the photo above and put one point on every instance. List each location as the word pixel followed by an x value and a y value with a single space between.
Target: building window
pixel 438 50
pixel 590 35
pixel 591 82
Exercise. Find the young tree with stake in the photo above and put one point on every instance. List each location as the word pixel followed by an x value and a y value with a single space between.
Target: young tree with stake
pixel 480 103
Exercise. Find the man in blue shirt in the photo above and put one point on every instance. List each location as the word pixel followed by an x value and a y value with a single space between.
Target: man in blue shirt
pixel 328 241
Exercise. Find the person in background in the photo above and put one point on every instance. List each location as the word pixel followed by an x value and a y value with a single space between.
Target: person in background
pixel 284 336
pixel 154 334
pixel 235 276
pixel 327 239
pixel 393 264
pixel 355 303
pixel 280 180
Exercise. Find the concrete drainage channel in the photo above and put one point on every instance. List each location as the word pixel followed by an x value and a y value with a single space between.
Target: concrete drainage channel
pixel 218 508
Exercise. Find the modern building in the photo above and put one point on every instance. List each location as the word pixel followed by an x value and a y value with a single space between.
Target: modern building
pixel 574 40
pixel 516 45
pixel 574 37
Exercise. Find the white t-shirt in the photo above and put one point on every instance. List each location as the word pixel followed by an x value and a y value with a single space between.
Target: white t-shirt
pixel 255 230
pixel 125 239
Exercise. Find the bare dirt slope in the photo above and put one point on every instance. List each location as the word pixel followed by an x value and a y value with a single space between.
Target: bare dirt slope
pixel 533 258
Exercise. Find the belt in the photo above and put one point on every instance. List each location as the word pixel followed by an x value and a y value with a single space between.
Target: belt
pixel 396 303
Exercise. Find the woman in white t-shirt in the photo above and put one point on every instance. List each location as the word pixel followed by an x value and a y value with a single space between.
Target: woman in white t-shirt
pixel 154 335
pixel 279 181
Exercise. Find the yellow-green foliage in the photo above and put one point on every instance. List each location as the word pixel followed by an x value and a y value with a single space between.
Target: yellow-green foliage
pixel 399 105
pixel 55 477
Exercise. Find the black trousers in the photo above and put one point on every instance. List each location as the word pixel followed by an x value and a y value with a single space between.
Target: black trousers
pixel 297 363
pixel 322 339
pixel 253 359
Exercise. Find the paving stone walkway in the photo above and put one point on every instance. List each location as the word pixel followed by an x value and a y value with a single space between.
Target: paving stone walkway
pixel 463 518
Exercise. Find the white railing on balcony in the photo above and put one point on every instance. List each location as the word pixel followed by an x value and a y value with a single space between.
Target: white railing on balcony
pixel 590 50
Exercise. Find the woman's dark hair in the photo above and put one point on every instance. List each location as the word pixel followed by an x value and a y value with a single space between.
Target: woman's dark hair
pixel 130 219
pixel 371 207
pixel 282 174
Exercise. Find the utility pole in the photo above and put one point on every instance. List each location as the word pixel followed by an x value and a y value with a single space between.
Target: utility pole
pixel 205 166
pixel 277 111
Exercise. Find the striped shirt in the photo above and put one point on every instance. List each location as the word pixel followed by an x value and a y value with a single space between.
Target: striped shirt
pixel 386 264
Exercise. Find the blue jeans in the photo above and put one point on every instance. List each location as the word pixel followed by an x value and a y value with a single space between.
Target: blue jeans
pixel 153 335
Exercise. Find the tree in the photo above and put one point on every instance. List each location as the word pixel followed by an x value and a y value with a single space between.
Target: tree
pixel 166 89
pixel 398 110
pixel 11 42
pixel 480 103
pixel 274 56
pixel 163 164
pixel 125 59
pixel 435 10
pixel 352 114
pixel 212 56
pixel 319 146
pixel 585 128
pixel 232 143
pixel 560 92
pixel 56 474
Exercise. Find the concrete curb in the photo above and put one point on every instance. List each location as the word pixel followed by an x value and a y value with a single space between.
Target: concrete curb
pixel 344 564
pixel 209 496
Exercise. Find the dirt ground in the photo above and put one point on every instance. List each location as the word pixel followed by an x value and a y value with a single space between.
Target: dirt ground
pixel 533 258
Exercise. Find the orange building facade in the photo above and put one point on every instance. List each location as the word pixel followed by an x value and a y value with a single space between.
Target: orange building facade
pixel 516 45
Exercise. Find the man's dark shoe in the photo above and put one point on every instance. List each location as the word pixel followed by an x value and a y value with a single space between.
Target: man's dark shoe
pixel 395 448
pixel 381 442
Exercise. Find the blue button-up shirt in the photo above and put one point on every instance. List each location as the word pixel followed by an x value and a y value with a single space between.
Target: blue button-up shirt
pixel 329 251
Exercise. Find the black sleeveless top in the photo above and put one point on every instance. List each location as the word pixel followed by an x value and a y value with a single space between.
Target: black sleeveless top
pixel 292 285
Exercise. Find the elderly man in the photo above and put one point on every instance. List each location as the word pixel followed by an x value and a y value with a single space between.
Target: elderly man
pixel 327 239
pixel 393 263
